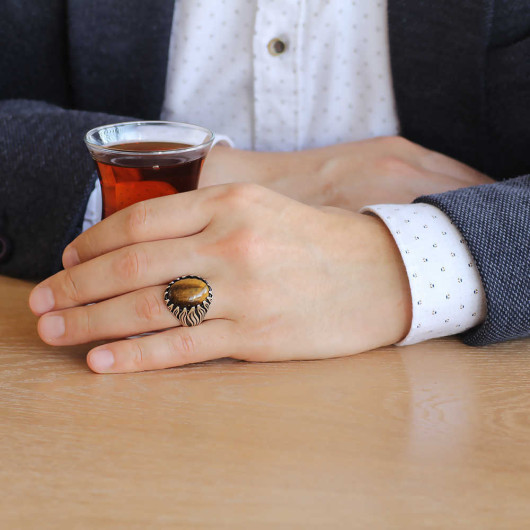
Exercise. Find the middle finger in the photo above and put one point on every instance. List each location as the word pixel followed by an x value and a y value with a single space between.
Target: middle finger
pixel 118 272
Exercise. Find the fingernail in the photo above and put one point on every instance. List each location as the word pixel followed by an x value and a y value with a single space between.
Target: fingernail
pixel 51 327
pixel 70 257
pixel 41 300
pixel 101 360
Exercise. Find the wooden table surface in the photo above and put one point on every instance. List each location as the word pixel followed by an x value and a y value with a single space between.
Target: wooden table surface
pixel 435 435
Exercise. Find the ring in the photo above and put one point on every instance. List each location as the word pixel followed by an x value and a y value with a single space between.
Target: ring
pixel 188 298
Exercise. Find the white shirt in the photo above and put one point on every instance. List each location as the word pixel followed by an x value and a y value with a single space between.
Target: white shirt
pixel 285 75
pixel 331 84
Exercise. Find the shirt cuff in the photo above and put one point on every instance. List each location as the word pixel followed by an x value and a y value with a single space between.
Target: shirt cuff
pixel 446 288
pixel 94 206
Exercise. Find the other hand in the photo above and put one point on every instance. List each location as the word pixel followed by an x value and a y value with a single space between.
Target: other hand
pixel 350 175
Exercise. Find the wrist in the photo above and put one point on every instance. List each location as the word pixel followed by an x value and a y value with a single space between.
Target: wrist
pixel 389 302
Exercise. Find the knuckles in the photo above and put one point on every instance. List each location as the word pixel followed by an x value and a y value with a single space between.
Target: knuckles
pixel 78 324
pixel 394 166
pixel 131 264
pixel 137 357
pixel 181 346
pixel 395 157
pixel 137 220
pixel 242 247
pixel 70 287
pixel 240 195
pixel 148 307
pixel 241 240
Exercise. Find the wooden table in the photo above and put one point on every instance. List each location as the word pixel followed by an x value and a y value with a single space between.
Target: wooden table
pixel 435 435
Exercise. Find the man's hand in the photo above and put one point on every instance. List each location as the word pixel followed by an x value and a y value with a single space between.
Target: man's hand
pixel 350 176
pixel 289 282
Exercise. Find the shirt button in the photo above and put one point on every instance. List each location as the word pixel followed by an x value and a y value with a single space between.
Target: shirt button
pixel 276 46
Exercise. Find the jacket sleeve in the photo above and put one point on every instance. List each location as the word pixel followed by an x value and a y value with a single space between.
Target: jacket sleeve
pixel 46 176
pixel 495 221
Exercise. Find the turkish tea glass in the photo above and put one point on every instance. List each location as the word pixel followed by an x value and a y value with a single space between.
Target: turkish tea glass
pixel 145 159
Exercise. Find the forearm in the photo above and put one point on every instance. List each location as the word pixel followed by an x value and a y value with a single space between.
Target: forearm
pixel 349 175
pixel 46 176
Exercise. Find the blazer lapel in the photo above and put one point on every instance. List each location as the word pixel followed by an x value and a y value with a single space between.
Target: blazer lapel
pixel 438 53
pixel 118 54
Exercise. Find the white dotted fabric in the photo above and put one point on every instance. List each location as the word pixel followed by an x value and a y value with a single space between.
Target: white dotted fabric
pixel 331 84
pixel 447 292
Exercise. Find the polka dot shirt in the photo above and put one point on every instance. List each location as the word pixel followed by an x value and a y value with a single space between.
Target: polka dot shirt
pixel 284 76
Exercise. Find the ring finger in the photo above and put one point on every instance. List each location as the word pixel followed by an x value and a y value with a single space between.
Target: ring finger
pixel 130 314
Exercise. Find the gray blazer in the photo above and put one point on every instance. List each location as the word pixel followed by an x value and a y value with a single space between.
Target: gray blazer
pixel 461 74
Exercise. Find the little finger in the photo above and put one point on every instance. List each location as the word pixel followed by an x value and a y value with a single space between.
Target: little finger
pixel 176 347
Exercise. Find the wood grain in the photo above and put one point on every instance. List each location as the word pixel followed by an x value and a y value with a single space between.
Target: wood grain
pixel 435 435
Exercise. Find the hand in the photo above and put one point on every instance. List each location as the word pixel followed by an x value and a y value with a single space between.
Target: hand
pixel 351 175
pixel 289 282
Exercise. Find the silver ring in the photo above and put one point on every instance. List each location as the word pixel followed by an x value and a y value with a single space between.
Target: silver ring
pixel 188 298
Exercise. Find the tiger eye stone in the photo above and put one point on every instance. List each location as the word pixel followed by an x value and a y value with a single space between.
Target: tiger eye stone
pixel 188 292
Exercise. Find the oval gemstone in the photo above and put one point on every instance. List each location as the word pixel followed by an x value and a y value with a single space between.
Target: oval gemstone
pixel 188 292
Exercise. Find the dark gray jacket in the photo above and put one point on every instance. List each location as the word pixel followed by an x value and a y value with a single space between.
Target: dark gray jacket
pixel 461 73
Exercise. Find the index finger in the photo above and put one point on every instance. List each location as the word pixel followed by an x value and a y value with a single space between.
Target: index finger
pixel 165 217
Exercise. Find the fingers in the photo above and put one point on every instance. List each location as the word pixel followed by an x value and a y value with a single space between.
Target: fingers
pixel 447 166
pixel 166 217
pixel 118 272
pixel 176 347
pixel 130 314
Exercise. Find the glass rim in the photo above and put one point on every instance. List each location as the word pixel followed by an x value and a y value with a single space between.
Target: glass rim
pixel 96 147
